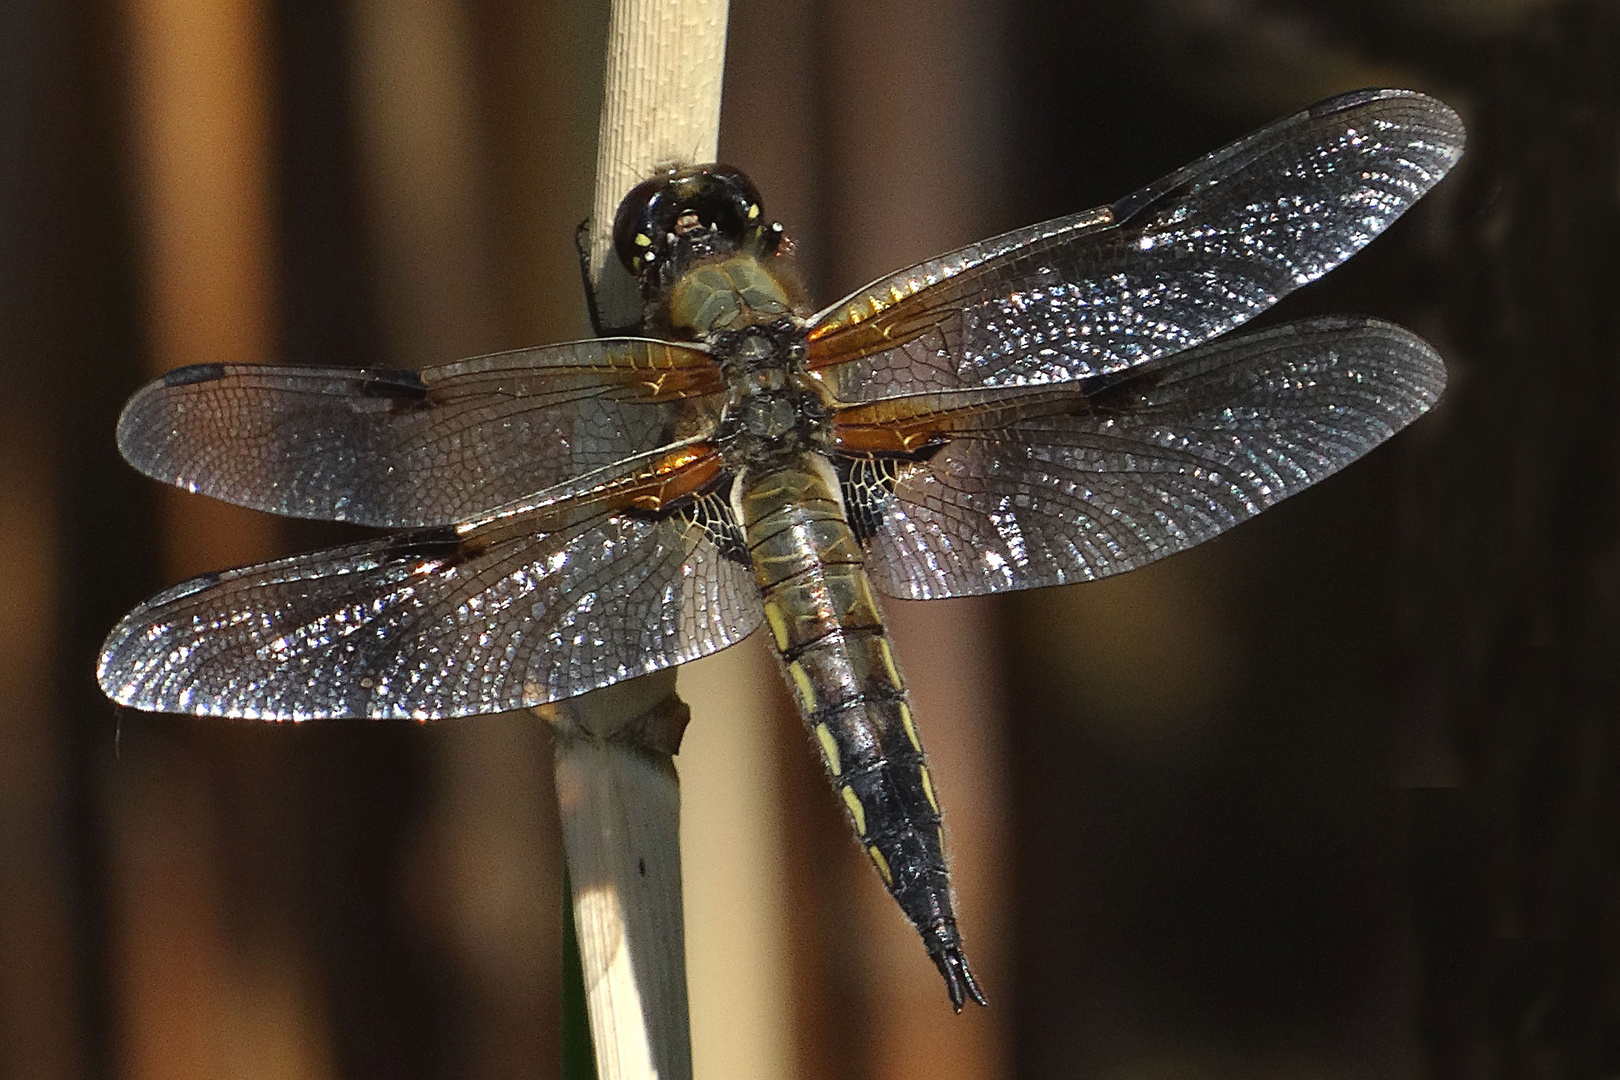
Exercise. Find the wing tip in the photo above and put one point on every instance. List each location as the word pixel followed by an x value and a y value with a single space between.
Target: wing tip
pixel 1422 367
pixel 1442 117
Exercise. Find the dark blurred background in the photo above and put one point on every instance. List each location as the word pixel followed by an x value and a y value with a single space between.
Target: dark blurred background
pixel 1332 796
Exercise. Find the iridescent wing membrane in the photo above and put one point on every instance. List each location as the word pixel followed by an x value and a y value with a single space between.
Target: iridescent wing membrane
pixel 1176 264
pixel 434 624
pixel 1036 409
pixel 406 449
pixel 1083 484
pixel 1047 406
pixel 503 596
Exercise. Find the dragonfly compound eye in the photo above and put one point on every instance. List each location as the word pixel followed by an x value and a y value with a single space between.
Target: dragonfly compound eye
pixel 688 214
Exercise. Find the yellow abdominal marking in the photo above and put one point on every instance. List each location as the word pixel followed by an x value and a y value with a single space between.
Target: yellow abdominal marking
pixel 928 787
pixel 888 666
pixel 829 747
pixel 942 841
pixel 801 679
pixel 911 728
pixel 779 629
pixel 882 865
pixel 856 810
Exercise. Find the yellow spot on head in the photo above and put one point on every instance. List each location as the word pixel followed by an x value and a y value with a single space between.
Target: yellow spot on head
pixel 888 663
pixel 829 747
pixel 801 679
pixel 928 787
pixel 882 865
pixel 643 240
pixel 753 211
pixel 773 615
pixel 911 728
pixel 856 810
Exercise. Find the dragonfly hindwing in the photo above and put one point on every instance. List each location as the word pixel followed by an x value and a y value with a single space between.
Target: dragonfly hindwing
pixel 868 482
pixel 711 513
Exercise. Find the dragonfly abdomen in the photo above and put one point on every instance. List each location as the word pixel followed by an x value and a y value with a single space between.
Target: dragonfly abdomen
pixel 828 632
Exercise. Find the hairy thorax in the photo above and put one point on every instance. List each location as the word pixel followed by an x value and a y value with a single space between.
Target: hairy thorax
pixel 774 409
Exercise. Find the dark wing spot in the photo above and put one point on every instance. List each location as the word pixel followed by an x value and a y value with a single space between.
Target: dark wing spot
pixel 443 546
pixel 1118 394
pixel 1132 221
pixel 868 484
pixel 711 513
pixel 194 373
pixel 395 385
pixel 190 585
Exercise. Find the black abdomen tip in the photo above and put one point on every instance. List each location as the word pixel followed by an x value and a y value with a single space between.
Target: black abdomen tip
pixel 959 981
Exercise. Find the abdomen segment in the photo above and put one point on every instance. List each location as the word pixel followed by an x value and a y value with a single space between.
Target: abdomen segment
pixel 827 630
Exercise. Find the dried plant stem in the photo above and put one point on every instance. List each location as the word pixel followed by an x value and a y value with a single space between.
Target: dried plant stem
pixel 616 783
pixel 665 59
pixel 620 806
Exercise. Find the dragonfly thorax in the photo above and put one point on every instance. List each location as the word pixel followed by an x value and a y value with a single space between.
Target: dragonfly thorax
pixel 772 407
pixel 698 242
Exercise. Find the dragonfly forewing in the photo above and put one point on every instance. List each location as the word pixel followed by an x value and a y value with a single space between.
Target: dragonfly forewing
pixel 404 449
pixel 1176 264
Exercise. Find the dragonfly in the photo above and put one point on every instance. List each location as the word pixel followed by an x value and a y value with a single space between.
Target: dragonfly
pixel 1049 406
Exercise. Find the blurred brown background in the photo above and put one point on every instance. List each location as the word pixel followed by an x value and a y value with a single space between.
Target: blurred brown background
pixel 1332 796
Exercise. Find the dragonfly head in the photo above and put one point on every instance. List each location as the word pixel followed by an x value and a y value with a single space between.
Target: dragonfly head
pixel 686 215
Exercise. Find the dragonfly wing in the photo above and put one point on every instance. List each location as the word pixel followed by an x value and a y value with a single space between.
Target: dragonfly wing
pixel 1176 264
pixel 436 623
pixel 1146 464
pixel 405 449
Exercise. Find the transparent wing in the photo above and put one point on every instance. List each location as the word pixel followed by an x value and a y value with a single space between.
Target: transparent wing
pixel 435 624
pixel 1178 263
pixel 1147 464
pixel 404 449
